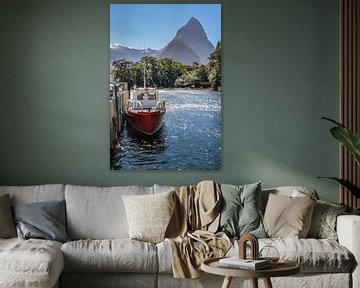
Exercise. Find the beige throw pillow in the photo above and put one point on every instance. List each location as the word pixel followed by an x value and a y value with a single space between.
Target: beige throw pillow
pixel 149 215
pixel 288 217
pixel 7 226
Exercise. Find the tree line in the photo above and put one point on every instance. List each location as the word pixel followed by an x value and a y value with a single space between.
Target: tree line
pixel 168 73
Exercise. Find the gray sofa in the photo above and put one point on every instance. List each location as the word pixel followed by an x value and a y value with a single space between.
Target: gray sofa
pixel 101 254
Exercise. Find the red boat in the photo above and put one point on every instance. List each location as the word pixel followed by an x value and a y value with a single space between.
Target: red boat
pixel 145 111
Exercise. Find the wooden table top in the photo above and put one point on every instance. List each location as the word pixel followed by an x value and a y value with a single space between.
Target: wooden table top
pixel 281 268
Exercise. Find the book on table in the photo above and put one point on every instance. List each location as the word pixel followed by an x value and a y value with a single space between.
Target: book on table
pixel 249 264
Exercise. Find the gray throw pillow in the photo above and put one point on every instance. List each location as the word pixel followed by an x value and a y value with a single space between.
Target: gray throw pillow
pixel 44 220
pixel 240 213
pixel 323 222
pixel 7 226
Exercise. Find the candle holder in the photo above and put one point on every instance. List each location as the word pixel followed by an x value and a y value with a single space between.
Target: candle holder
pixel 254 246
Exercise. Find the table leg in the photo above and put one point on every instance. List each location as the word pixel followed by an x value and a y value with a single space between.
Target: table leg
pixel 227 282
pixel 267 283
pixel 254 282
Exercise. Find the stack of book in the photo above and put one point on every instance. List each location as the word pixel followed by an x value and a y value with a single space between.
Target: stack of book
pixel 248 264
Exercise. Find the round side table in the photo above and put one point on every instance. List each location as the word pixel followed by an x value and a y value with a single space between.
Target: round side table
pixel 281 268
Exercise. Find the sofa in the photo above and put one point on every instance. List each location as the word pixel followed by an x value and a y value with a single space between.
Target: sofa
pixel 101 254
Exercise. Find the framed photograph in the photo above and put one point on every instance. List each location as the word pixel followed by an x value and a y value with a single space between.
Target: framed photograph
pixel 165 86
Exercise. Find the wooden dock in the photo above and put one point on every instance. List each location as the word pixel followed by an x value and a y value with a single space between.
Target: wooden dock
pixel 119 93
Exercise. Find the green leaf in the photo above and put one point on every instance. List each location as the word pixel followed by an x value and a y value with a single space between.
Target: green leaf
pixel 355 211
pixel 348 138
pixel 347 184
pixel 333 121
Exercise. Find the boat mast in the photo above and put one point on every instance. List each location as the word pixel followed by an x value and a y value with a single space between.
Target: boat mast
pixel 144 76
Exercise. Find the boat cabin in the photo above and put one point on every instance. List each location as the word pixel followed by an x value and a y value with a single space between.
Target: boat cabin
pixel 145 98
pixel 147 94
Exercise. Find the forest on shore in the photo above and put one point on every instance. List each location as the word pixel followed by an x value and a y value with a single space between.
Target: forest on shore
pixel 168 73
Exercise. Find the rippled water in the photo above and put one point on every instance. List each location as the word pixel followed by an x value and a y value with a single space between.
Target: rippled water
pixel 189 139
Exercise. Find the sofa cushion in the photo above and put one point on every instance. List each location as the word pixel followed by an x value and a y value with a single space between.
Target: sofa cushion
pixel 240 210
pixel 43 220
pixel 323 222
pixel 291 191
pixel 164 257
pixel 149 215
pixel 98 213
pixel 163 188
pixel 36 193
pixel 313 255
pixel 287 216
pixel 7 226
pixel 117 255
pixel 30 263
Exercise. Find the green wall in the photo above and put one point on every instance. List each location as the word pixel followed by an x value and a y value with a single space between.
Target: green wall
pixel 280 75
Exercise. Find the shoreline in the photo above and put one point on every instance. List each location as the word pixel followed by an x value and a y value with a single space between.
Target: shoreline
pixel 187 89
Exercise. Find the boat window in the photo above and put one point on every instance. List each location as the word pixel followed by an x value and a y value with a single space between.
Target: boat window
pixel 140 96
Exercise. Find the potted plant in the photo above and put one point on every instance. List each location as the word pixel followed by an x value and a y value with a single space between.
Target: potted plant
pixel 351 141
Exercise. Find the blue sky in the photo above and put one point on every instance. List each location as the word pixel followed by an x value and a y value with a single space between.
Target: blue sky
pixel 154 25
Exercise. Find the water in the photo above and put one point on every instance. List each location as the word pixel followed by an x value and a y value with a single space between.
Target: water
pixel 190 138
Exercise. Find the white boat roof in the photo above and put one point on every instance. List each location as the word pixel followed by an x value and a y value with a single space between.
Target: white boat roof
pixel 142 89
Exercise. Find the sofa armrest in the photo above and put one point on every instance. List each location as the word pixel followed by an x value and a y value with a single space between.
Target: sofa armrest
pixel 348 230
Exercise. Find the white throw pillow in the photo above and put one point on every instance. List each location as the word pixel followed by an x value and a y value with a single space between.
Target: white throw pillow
pixel 149 215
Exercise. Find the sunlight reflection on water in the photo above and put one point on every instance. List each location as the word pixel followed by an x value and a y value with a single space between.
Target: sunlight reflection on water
pixel 189 139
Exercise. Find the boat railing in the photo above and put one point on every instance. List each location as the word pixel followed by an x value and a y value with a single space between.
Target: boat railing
pixel 160 104
pixel 146 104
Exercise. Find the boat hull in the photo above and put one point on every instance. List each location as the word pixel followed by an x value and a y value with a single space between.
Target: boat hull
pixel 146 122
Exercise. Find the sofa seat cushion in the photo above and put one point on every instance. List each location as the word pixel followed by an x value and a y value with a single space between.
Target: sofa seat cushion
pixel 164 257
pixel 313 255
pixel 30 263
pixel 115 255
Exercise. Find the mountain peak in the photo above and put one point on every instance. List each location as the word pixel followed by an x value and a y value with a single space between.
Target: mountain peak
pixel 193 36
pixel 189 45
pixel 193 21
pixel 192 27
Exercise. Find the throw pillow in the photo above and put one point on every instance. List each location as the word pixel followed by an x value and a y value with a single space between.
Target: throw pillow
pixel 7 226
pixel 288 217
pixel 149 215
pixel 323 222
pixel 44 220
pixel 291 191
pixel 240 210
